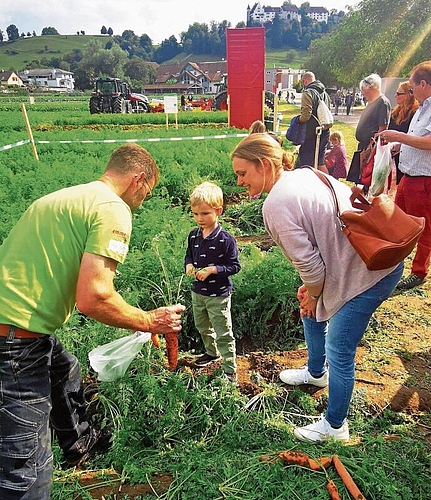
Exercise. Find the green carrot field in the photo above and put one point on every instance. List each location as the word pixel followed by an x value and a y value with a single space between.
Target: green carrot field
pixel 192 435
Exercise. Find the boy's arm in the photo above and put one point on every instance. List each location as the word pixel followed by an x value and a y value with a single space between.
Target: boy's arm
pixel 232 265
pixel 188 259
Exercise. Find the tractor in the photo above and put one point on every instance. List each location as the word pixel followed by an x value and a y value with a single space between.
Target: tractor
pixel 111 95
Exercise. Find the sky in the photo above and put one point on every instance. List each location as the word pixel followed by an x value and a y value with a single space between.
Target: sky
pixel 159 19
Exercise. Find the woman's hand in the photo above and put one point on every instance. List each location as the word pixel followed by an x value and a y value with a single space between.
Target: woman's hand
pixel 307 305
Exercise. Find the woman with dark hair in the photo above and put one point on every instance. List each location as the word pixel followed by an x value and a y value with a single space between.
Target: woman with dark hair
pixel 401 116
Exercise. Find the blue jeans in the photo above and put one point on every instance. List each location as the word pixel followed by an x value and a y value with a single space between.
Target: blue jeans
pixel 335 341
pixel 40 384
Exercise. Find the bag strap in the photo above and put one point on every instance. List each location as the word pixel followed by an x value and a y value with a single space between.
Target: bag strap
pixel 357 198
pixel 326 181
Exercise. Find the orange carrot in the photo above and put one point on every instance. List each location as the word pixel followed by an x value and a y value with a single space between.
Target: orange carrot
pixel 301 459
pixel 325 462
pixel 268 458
pixel 333 491
pixel 172 350
pixel 347 479
pixel 155 340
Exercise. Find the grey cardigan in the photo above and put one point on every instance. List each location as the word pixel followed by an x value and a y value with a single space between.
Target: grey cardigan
pixel 299 214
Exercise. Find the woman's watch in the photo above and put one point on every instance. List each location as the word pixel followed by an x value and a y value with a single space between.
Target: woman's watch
pixel 314 297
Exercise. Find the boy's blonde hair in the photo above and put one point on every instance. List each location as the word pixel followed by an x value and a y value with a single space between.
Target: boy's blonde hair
pixel 208 193
pixel 338 136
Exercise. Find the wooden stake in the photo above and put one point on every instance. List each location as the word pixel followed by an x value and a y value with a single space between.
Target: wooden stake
pixel 29 132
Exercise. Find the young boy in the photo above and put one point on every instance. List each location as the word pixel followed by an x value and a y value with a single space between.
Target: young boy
pixel 212 257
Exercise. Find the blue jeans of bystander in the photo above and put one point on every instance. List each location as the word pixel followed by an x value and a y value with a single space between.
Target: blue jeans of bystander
pixel 335 341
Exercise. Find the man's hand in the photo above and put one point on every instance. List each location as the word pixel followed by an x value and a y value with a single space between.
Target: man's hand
pixel 166 319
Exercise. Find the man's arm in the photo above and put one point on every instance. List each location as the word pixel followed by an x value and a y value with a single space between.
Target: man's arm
pixel 418 142
pixel 96 297
pixel 306 107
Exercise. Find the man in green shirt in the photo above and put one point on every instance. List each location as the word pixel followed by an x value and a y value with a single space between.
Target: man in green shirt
pixel 64 251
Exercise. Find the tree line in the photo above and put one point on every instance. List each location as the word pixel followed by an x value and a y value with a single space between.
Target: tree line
pixel 388 37
pixel 383 36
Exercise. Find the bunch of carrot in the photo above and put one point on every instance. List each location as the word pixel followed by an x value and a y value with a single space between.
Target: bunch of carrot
pixel 171 348
pixel 323 463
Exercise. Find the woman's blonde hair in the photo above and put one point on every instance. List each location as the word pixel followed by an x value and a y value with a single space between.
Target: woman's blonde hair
pixel 208 193
pixel 338 136
pixel 258 147
pixel 403 111
pixel 257 127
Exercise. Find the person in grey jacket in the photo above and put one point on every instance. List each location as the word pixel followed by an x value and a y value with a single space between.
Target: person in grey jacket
pixel 338 294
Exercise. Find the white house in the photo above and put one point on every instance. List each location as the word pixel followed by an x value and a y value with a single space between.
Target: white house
pixel 287 13
pixel 319 14
pixel 10 79
pixel 277 79
pixel 55 79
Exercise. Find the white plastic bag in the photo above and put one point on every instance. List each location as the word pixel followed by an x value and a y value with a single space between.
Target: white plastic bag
pixel 382 167
pixel 111 360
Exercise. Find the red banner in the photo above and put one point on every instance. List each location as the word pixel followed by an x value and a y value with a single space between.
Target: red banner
pixel 246 75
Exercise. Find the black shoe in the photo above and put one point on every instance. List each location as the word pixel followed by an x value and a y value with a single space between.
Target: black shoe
pixel 88 445
pixel 410 282
pixel 206 360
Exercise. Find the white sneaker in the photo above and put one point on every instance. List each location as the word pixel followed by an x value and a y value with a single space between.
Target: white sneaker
pixel 322 431
pixel 303 376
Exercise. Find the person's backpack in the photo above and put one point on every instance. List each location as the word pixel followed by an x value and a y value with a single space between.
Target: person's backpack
pixel 323 113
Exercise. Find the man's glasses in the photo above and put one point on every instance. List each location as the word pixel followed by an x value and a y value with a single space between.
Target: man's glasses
pixel 149 190
pixel 410 91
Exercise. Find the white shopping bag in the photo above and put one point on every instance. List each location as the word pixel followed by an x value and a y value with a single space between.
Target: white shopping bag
pixel 112 360
pixel 382 167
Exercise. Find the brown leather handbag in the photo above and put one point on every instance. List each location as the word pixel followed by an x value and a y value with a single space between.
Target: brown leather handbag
pixel 381 233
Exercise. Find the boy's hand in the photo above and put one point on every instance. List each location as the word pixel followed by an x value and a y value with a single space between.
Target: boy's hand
pixel 190 270
pixel 202 274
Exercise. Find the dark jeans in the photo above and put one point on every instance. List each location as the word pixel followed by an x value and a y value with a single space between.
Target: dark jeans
pixel 40 382
pixel 308 150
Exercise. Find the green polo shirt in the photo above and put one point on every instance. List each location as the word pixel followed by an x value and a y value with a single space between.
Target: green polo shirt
pixel 40 258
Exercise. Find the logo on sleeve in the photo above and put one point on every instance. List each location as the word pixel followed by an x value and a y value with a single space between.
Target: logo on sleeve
pixel 118 247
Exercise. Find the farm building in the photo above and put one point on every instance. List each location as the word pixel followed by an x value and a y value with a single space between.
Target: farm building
pixel 49 78
pixel 10 79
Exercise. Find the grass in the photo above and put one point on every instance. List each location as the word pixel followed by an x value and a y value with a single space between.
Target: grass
pixel 279 58
pixel 16 55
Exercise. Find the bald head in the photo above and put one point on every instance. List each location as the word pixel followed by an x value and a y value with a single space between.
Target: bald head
pixel 307 78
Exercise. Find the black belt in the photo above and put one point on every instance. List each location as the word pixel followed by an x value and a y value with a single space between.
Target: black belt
pixel 415 176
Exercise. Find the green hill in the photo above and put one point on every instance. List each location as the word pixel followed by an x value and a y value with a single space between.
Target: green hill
pixel 17 55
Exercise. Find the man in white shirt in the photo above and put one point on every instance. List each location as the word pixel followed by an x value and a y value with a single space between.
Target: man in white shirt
pixel 414 191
